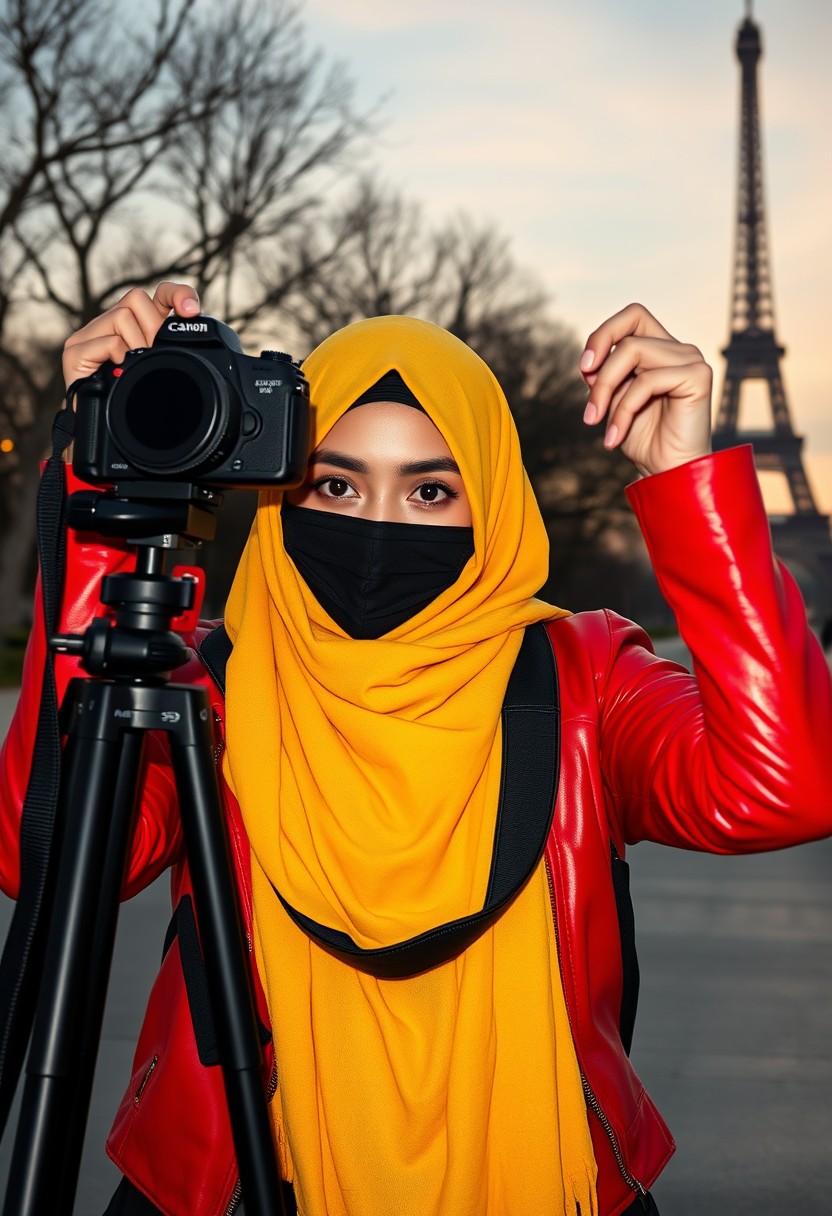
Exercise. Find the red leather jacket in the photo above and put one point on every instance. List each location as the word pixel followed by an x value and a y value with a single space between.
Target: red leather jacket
pixel 733 760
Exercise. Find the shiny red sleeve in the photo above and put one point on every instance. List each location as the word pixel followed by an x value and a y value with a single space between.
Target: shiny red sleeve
pixel 734 758
pixel 157 835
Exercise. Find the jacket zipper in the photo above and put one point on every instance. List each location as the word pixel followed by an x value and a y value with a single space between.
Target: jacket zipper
pixel 237 1193
pixel 272 1086
pixel 151 1068
pixel 589 1094
pixel 234 1201
pixel 219 744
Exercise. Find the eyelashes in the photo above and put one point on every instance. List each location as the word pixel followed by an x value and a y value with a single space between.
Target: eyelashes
pixel 320 482
pixel 448 492
pixel 436 485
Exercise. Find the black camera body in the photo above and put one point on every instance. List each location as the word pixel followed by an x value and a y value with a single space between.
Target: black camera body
pixel 194 408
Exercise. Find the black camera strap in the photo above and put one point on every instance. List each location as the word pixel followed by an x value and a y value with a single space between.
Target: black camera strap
pixel 22 961
pixel 528 785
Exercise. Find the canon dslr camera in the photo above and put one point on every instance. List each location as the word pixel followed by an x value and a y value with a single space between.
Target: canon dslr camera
pixel 194 408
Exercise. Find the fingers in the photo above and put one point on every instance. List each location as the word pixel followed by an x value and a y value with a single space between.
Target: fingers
pixel 131 323
pixel 137 317
pixel 632 357
pixel 653 391
pixel 84 358
pixel 122 320
pixel 684 384
pixel 630 321
pixel 177 296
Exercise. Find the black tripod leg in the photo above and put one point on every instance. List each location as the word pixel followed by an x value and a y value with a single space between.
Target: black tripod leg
pixel 70 1004
pixel 102 948
pixel 229 984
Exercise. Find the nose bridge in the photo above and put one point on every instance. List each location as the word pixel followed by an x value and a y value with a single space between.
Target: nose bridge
pixel 383 500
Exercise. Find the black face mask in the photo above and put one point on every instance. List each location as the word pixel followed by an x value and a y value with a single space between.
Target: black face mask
pixel 371 576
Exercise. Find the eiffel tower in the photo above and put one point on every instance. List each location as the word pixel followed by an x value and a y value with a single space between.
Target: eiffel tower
pixel 753 353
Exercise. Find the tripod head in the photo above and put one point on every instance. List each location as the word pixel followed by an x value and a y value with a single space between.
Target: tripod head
pixel 136 642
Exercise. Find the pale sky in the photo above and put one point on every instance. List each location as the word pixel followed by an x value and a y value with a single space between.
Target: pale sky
pixel 602 138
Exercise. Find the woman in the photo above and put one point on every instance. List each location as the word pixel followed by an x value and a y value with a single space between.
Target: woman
pixel 376 615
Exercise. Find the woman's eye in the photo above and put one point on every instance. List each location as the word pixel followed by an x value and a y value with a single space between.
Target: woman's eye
pixel 334 487
pixel 433 492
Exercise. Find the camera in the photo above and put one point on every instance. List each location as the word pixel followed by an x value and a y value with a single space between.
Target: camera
pixel 194 408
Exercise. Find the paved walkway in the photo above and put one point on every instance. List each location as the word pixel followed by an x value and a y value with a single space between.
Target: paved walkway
pixel 733 1035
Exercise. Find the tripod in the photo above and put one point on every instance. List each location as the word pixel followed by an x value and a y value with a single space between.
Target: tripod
pixel 106 719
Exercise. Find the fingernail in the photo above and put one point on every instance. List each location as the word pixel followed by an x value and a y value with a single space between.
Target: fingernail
pixel 590 413
pixel 611 436
pixel 587 360
pixel 189 305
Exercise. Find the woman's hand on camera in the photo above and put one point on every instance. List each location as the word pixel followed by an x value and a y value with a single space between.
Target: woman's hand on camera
pixel 654 392
pixel 133 322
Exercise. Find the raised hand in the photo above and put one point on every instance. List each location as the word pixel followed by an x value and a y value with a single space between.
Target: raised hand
pixel 133 322
pixel 654 392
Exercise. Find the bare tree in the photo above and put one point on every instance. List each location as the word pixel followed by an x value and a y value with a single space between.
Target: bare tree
pixel 195 144
pixel 462 276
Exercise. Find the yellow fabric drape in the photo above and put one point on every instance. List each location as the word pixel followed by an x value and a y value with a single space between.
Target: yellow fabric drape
pixel 368 775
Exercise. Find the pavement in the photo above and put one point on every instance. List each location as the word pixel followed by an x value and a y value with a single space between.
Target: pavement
pixel 732 1038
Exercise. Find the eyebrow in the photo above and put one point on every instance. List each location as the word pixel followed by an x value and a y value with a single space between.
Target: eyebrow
pixel 339 459
pixel 434 464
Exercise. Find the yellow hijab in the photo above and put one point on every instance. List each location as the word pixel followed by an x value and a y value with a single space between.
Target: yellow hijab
pixel 368 775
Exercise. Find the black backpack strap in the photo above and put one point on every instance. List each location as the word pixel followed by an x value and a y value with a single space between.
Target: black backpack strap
pixel 538 736
pixel 182 929
pixel 531 762
pixel 629 956
pixel 215 651
pixel 22 961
